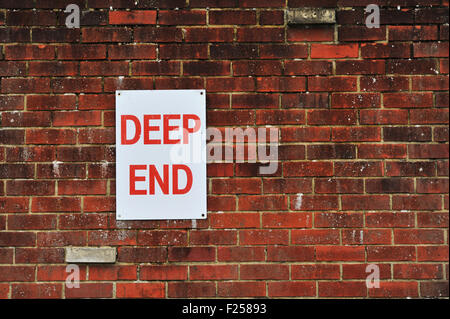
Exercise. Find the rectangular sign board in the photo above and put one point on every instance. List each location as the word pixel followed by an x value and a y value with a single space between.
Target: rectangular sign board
pixel 160 154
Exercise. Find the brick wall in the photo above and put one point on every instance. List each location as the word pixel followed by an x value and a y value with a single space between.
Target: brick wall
pixel 363 174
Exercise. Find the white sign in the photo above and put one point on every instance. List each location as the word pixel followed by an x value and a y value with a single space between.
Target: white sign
pixel 161 154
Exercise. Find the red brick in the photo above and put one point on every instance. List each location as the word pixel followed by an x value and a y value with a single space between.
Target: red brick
pixel 422 66
pixel 83 221
pixel 360 67
pixel 191 289
pixel 342 289
pixel 112 237
pixel 340 253
pixel 286 220
pixel 242 68
pixel 428 151
pixel 398 100
pixel 182 17
pixel 355 100
pixel 391 253
pixel 413 33
pixel 156 238
pixel 52 35
pixel 333 117
pixel 91 290
pixel 339 151
pixel 280 84
pixel 240 253
pixel 314 236
pixel 384 83
pixel 432 220
pixel 36 222
pixel 275 17
pixel 383 50
pixel 418 236
pixel 395 290
pixel 232 17
pixel 260 34
pixel 36 291
pixel 209 35
pixel 365 202
pixel 103 68
pixel 86 187
pixel 432 253
pixel 17 273
pixel 29 52
pixel 160 34
pixel 306 134
pixel 338 220
pixel 127 52
pixel 361 33
pixel 233 51
pixel 286 186
pixel 267 272
pixel 6 255
pixel 140 290
pixel 241 288
pixel 261 3
pixel 291 289
pixel 156 68
pixel 315 271
pixel 132 17
pixel 426 83
pixel 163 272
pixel 39 255
pixel 216 272
pixel 255 202
pixel 308 169
pixel 290 253
pixel 433 49
pixel 334 84
pixel 432 186
pixel 263 237
pixel 81 52
pixel 28 85
pixel 330 51
pixel 429 116
pixel 234 220
pixel 103 272
pixel 410 169
pixel 277 51
pixel 141 254
pixel 61 239
pixel 381 151
pixel 308 67
pixel 390 185
pixel 55 204
pixel 14 204
pixel 418 271
pixel 434 289
pixel 191 254
pixel 95 34
pixel 310 33
pixel 366 237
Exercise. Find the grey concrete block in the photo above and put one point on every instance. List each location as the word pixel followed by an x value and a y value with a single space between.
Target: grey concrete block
pixel 311 16
pixel 94 255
